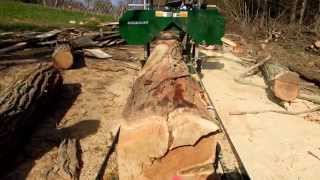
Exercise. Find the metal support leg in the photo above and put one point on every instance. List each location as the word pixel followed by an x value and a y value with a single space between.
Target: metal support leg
pixel 146 54
pixel 197 60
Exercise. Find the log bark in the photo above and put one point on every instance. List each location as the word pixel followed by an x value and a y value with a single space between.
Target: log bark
pixel 164 84
pixel 308 73
pixel 168 106
pixel 19 102
pixel 284 84
pixel 63 57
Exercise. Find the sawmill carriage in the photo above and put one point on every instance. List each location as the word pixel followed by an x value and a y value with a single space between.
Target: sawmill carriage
pixel 192 22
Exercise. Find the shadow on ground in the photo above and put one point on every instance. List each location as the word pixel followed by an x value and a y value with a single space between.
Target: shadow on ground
pixel 46 135
pixel 235 174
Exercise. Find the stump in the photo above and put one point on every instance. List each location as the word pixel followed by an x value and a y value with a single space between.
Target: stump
pixel 19 102
pixel 283 83
pixel 167 126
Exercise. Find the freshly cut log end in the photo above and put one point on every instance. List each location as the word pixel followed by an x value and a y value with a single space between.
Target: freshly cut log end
pixel 286 86
pixel 62 57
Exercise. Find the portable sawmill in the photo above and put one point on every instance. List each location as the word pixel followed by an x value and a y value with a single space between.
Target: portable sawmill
pixel 194 22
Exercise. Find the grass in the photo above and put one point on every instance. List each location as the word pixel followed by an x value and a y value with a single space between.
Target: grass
pixel 17 16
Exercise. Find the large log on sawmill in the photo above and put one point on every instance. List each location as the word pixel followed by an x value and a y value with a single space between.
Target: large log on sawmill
pixel 168 131
pixel 283 83
pixel 19 102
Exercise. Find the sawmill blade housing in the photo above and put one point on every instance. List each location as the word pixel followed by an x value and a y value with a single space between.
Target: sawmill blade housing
pixel 204 26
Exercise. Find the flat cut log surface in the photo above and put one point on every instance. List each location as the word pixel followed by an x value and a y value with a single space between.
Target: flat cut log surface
pixel 283 83
pixel 19 101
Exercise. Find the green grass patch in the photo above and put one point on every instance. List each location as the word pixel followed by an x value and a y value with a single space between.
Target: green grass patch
pixel 17 16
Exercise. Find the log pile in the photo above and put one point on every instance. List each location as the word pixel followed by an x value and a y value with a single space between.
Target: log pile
pixel 168 130
pixel 59 44
pixel 19 102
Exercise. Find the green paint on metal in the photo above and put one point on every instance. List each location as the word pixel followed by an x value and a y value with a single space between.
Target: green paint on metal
pixel 141 26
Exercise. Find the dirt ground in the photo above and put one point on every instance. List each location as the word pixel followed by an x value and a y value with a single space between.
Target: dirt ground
pixel 88 109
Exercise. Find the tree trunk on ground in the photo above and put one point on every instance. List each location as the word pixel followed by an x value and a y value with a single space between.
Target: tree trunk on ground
pixel 62 57
pixel 283 83
pixel 166 119
pixel 19 102
pixel 308 73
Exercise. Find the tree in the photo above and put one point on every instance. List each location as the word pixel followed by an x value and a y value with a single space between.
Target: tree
pixel 102 6
pixel 302 11
pixel 294 11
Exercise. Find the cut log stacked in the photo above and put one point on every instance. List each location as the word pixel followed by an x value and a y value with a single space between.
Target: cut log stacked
pixel 19 102
pixel 168 129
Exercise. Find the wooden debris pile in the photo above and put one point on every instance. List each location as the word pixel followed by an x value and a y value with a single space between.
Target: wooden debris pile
pixel 63 45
